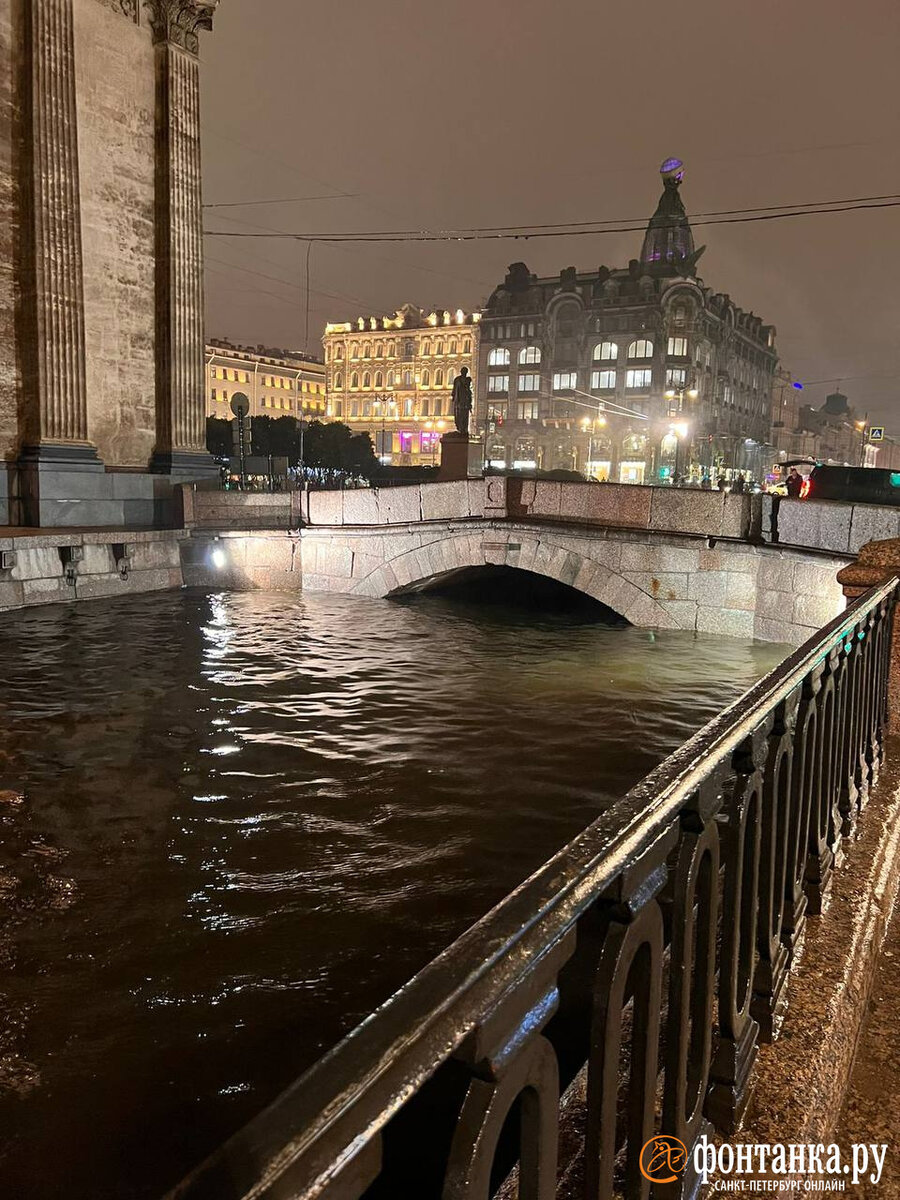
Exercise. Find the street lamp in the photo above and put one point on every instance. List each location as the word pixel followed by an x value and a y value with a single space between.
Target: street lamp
pixel 384 404
pixel 678 393
pixel 588 424
pixel 680 432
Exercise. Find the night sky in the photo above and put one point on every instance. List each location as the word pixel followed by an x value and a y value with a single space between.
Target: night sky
pixel 497 112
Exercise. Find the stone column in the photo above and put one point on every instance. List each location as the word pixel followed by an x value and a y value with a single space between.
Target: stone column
pixel 54 417
pixel 180 391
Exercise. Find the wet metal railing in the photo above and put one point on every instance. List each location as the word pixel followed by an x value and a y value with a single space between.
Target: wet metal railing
pixel 672 921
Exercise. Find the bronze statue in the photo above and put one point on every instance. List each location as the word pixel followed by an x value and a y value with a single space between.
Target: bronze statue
pixel 462 401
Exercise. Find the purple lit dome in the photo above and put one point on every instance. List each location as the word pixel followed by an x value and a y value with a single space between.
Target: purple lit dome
pixel 672 168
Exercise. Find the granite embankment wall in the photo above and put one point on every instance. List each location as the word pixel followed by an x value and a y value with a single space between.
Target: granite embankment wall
pixel 716 563
pixel 63 567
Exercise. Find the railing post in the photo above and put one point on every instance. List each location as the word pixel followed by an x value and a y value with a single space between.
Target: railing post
pixel 738 1031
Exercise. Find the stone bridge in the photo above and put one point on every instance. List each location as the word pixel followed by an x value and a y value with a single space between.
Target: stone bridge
pixel 659 557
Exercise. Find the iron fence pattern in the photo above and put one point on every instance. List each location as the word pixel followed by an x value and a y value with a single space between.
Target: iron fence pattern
pixel 646 962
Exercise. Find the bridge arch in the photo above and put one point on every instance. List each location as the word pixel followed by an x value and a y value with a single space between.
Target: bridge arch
pixel 587 565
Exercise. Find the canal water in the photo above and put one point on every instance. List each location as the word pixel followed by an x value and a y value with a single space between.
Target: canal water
pixel 233 824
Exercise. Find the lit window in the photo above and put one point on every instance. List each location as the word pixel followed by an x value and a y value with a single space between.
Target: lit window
pixel 603 379
pixel 407 408
pixel 676 376
pixel 530 354
pixel 498 383
pixel 606 351
pixel 529 383
pixel 527 410
pixel 564 380
pixel 498 357
pixel 407 379
pixel 638 379
pixel 642 348
pixel 677 347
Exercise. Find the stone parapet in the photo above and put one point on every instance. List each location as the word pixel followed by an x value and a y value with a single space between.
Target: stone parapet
pixel 877 563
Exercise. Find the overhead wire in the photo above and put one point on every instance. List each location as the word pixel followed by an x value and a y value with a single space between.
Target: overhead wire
pixel 581 229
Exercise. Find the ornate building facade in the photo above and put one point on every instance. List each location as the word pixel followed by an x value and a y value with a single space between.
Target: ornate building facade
pixel 637 374
pixel 278 383
pixel 392 377
pixel 101 293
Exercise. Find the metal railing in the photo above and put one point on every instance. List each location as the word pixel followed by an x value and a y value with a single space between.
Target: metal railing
pixel 672 920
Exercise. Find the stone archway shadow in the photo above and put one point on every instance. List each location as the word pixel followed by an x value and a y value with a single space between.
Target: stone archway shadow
pixel 586 568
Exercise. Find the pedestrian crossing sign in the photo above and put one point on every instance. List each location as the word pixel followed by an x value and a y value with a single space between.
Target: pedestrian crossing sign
pixel 876 433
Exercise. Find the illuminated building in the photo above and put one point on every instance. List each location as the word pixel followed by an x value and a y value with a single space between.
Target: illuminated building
pixel 392 377
pixel 278 383
pixel 633 374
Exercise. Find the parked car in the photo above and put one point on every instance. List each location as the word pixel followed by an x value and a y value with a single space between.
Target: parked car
pixel 863 485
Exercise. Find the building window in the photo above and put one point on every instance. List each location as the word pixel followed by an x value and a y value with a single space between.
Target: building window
pixel 498 357
pixel 426 379
pixel 407 408
pixel 606 352
pixel 439 379
pixel 214 394
pixel 642 348
pixel 530 354
pixel 564 380
pixel 390 379
pixel 529 383
pixel 354 380
pixel 379 379
pixel 467 346
pixel 367 380
pixel 676 377
pixel 440 348
pixel 527 410
pixel 638 379
pixel 407 379
pixel 339 380
pixel 498 383
pixel 453 346
pixel 603 379
pixel 354 351
pixel 677 347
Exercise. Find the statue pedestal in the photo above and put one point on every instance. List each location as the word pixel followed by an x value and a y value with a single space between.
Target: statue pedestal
pixel 461 458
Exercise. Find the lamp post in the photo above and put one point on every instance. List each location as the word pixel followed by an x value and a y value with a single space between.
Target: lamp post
pixel 385 405
pixel 588 424
pixel 678 394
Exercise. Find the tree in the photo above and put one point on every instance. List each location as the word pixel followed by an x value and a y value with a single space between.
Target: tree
pixel 219 438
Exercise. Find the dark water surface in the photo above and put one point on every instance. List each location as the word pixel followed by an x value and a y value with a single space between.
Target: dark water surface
pixel 247 819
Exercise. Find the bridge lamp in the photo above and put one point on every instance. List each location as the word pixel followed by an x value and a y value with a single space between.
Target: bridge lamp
pixel 218 559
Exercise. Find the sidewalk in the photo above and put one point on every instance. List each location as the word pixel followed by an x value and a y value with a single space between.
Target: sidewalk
pixel 871 1110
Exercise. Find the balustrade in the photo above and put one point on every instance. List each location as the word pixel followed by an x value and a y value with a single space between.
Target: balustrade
pixel 646 959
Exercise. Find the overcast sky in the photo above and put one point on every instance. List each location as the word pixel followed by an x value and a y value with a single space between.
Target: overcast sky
pixel 499 112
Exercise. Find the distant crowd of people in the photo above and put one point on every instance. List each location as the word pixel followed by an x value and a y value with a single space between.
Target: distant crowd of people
pixel 740 483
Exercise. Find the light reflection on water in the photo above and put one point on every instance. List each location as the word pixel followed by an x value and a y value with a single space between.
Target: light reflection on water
pixel 249 818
